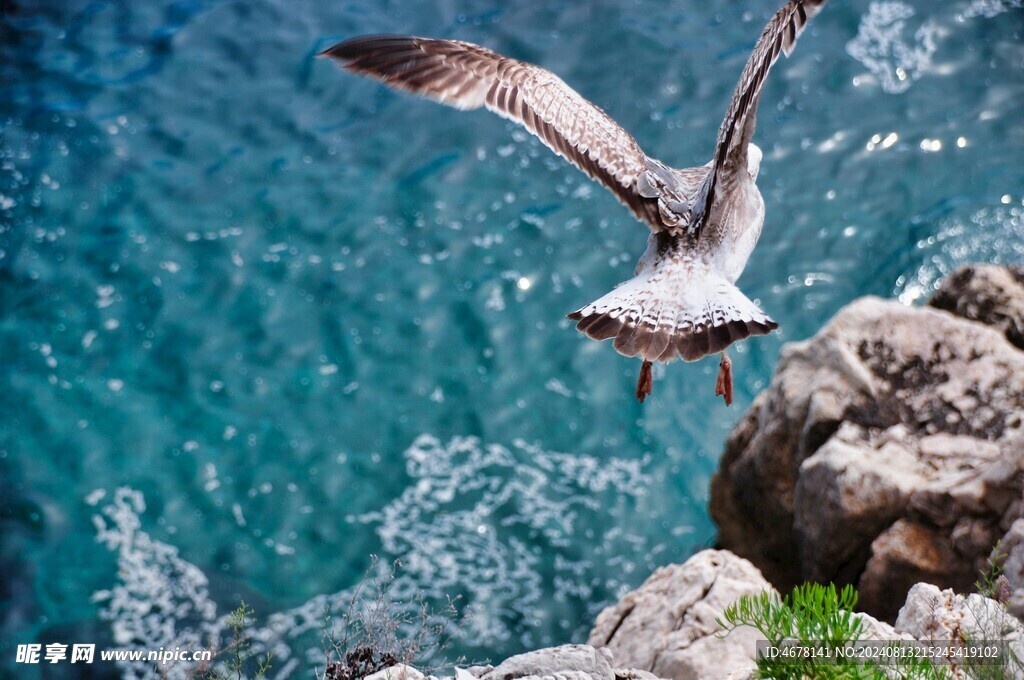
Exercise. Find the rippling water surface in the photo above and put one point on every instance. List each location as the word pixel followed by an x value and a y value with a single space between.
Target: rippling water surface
pixel 261 319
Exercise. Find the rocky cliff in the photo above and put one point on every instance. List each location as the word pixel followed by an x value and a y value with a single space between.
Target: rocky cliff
pixel 889 448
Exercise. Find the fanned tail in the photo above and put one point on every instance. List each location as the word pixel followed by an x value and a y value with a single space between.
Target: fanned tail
pixel 657 320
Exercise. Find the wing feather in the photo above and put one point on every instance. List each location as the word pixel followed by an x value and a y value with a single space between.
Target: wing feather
pixel 779 36
pixel 467 76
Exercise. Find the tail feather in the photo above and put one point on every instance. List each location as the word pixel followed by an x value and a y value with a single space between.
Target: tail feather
pixel 659 343
pixel 703 317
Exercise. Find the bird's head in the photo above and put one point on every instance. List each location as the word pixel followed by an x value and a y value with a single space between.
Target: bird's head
pixel 753 160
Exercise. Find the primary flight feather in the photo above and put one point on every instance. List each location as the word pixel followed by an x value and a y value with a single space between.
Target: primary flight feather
pixel 704 221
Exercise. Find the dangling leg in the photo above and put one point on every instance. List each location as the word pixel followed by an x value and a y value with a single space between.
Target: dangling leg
pixel 644 383
pixel 724 386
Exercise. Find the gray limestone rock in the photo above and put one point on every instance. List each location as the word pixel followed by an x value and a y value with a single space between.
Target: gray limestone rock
pixel 943 615
pixel 568 662
pixel 668 626
pixel 991 294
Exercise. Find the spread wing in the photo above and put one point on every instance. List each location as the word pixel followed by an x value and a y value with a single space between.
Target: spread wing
pixel 468 76
pixel 734 135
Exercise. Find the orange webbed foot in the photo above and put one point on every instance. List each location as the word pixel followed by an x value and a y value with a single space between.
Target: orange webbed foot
pixel 724 386
pixel 645 383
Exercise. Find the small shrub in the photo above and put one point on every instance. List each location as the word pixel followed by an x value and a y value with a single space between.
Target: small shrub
pixel 238 656
pixel 377 632
pixel 813 615
pixel 818 618
pixel 991 582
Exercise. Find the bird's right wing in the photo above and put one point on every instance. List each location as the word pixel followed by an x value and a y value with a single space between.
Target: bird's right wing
pixel 734 135
pixel 468 76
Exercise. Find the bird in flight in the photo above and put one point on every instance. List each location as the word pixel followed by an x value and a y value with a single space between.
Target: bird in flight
pixel 704 221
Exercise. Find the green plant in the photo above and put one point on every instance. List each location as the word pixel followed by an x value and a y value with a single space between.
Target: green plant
pixel 815 617
pixel 991 582
pixel 811 612
pixel 238 655
pixel 817 621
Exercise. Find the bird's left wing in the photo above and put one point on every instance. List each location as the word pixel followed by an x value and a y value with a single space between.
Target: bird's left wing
pixel 734 135
pixel 468 76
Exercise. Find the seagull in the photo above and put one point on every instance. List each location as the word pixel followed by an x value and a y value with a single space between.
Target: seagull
pixel 704 221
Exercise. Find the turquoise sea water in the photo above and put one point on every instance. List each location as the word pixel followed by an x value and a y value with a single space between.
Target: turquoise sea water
pixel 261 319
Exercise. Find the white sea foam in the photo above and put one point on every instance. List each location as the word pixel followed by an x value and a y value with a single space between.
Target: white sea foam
pixel 991 8
pixel 160 600
pixel 479 521
pixel 884 45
